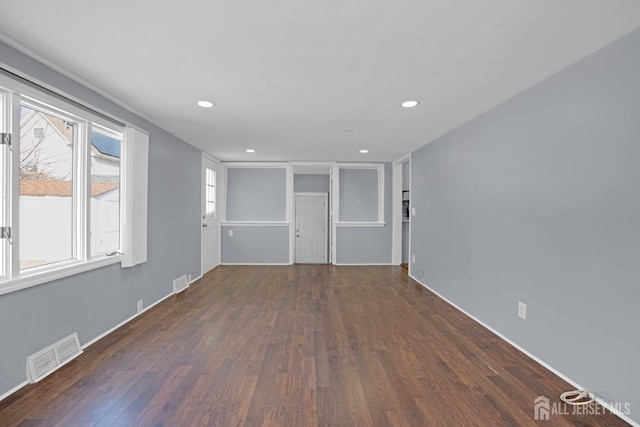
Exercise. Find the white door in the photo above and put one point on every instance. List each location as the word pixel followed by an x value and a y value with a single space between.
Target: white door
pixel 311 228
pixel 210 222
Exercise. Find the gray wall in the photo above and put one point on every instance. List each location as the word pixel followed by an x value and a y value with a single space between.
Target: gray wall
pixel 538 200
pixel 311 183
pixel 256 194
pixel 255 245
pixel 270 244
pixel 358 195
pixel 368 245
pixel 94 302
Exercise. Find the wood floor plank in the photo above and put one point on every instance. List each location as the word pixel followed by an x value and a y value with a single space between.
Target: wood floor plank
pixel 303 345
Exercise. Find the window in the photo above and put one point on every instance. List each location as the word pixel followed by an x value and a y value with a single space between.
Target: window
pixel 104 224
pixel 46 202
pixel 64 163
pixel 210 194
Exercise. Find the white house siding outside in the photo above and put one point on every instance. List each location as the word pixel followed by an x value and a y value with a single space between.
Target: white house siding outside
pixel 46 150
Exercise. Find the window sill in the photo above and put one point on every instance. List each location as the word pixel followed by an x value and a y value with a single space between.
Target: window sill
pixel 64 270
pixel 359 224
pixel 255 223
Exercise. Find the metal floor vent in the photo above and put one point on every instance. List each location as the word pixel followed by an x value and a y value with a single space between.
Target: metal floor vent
pixel 51 358
pixel 180 284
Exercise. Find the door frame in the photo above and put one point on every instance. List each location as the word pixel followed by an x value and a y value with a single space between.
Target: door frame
pixel 327 234
pixel 208 158
pixel 320 168
pixel 397 210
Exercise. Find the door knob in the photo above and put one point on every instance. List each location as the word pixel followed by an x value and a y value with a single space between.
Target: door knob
pixel 204 225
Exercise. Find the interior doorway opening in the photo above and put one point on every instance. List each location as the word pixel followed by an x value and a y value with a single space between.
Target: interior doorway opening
pixel 402 212
pixel 311 241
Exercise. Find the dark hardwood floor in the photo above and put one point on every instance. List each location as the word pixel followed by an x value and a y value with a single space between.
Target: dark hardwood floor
pixel 297 346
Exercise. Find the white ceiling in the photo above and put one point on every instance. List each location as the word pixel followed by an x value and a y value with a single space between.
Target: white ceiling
pixel 287 76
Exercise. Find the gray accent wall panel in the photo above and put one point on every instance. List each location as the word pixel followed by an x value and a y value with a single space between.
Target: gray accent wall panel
pixel 255 245
pixel 538 200
pixel 311 183
pixel 358 194
pixel 368 245
pixel 93 302
pixel 256 194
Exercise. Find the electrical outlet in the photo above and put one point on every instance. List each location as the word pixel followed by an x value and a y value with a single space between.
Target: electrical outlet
pixel 140 306
pixel 413 258
pixel 230 233
pixel 413 211
pixel 522 310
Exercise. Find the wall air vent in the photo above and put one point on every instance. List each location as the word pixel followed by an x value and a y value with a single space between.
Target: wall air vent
pixel 53 357
pixel 180 284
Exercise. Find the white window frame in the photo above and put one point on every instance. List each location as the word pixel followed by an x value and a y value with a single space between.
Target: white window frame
pixel 214 213
pixel 12 93
pixel 257 165
pixel 5 190
pixel 379 167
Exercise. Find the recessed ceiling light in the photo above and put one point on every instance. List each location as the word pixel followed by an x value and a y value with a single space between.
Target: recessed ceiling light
pixel 409 104
pixel 364 151
pixel 347 130
pixel 250 150
pixel 206 104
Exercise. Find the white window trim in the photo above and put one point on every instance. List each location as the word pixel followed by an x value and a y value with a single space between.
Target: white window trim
pixel 360 224
pixel 5 190
pixel 379 167
pixel 18 92
pixel 258 165
pixel 255 223
pixel 65 269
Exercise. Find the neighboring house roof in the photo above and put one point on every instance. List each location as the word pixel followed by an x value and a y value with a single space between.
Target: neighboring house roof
pixel 55 188
pixel 105 144
pixel 62 127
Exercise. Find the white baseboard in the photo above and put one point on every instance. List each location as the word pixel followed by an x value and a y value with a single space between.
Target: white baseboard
pixel 13 390
pixel 197 278
pixel 19 386
pixel 528 354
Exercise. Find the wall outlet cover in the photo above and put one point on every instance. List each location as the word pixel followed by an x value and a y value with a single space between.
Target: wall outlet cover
pixel 522 310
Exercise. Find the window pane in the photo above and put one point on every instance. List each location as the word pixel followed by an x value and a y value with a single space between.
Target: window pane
pixel 46 188
pixel 105 193
pixel 210 193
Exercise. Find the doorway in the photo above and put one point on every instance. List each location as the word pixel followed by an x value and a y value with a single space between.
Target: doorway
pixel 402 212
pixel 311 228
